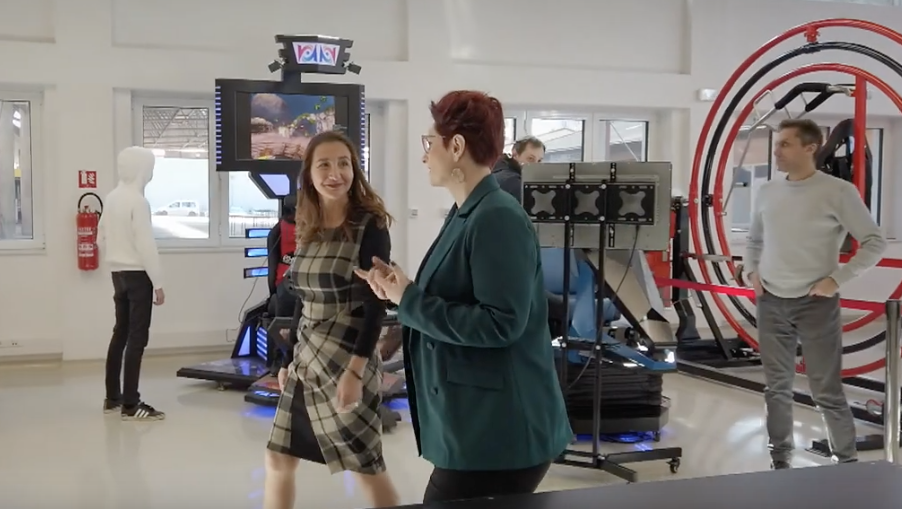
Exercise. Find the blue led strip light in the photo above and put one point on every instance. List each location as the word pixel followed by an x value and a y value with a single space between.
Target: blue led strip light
pixel 363 124
pixel 261 343
pixel 217 116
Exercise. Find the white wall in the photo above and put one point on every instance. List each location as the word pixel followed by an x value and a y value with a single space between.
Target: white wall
pixel 87 60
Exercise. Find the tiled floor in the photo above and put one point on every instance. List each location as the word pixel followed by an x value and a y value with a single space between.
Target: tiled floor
pixel 58 449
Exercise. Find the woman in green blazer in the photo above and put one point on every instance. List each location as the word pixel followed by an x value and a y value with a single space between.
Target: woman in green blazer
pixel 485 399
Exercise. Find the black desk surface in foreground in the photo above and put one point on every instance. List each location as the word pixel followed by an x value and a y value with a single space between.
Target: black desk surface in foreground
pixel 875 485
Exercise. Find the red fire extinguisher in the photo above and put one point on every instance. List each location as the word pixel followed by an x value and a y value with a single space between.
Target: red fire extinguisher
pixel 86 222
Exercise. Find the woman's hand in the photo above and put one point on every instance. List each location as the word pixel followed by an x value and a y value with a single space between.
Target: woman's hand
pixel 283 378
pixel 391 279
pixel 350 391
pixel 370 277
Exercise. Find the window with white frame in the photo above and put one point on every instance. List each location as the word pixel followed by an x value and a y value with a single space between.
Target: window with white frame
pixel 624 140
pixel 250 208
pixel 570 137
pixel 192 204
pixel 17 189
pixel 563 138
pixel 752 166
pixel 510 134
pixel 180 192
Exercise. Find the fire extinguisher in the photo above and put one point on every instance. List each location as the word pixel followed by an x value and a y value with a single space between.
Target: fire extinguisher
pixel 86 222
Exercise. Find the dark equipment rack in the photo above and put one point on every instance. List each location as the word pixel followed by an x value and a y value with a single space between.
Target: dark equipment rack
pixel 613 463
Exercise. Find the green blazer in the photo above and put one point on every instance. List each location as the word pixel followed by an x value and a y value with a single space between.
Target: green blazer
pixel 481 379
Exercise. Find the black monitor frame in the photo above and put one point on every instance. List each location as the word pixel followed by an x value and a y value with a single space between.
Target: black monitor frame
pixel 228 128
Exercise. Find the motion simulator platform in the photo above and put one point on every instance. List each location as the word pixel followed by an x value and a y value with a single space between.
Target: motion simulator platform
pixel 828 487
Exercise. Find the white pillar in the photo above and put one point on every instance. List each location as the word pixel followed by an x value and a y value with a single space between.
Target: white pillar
pixel 394 183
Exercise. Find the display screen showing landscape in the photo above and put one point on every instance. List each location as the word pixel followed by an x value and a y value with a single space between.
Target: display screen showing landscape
pixel 283 124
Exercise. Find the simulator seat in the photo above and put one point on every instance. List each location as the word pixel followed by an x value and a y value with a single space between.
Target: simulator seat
pixel 553 271
pixel 583 329
pixel 632 398
pixel 837 156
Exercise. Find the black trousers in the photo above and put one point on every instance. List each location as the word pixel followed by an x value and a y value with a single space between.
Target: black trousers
pixel 133 296
pixel 447 485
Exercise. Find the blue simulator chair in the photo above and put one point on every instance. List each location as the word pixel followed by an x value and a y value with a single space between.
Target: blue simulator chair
pixel 584 288
pixel 583 326
pixel 553 270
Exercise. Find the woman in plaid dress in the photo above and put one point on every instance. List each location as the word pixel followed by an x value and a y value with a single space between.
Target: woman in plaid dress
pixel 329 409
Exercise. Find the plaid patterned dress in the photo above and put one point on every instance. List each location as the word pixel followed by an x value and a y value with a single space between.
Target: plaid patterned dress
pixel 306 424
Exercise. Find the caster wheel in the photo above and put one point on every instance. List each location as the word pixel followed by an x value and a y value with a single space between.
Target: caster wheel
pixel 674 465
pixel 220 387
pixel 657 436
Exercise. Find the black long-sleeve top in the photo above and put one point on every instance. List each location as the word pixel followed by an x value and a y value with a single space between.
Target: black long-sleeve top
pixel 375 242
pixel 273 255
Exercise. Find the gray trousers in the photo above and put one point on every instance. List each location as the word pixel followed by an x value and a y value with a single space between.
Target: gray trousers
pixel 816 323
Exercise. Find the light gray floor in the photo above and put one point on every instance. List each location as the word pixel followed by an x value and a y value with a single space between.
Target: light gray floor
pixel 58 449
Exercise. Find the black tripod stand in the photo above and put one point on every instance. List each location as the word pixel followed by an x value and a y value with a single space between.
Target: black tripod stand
pixel 608 211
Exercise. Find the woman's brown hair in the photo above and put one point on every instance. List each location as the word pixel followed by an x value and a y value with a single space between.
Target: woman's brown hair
pixel 362 197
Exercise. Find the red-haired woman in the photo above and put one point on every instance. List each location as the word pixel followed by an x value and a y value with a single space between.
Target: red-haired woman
pixel 485 400
pixel 329 409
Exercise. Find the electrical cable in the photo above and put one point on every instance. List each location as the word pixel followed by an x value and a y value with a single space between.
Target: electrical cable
pixel 718 133
pixel 247 299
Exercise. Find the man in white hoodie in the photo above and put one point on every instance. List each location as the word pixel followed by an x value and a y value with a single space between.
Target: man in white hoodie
pixel 126 242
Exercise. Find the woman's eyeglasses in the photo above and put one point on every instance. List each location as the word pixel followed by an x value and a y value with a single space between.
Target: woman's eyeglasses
pixel 428 140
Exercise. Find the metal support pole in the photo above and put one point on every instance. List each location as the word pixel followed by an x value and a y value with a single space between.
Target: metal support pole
pixel 891 416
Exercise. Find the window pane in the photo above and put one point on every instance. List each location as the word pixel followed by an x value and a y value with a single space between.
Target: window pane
pixel 563 139
pixel 510 134
pixel 750 173
pixel 626 140
pixel 248 207
pixel 16 209
pixel 179 193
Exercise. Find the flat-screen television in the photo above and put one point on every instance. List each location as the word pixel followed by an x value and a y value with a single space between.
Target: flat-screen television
pixel 263 127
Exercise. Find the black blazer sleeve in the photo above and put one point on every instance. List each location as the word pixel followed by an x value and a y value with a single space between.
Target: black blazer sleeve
pixel 376 242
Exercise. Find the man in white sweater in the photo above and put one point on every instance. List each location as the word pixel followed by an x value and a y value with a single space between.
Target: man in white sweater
pixel 126 242
pixel 799 224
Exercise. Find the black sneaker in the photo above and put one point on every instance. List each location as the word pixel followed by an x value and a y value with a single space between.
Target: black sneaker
pixel 142 412
pixel 780 465
pixel 110 406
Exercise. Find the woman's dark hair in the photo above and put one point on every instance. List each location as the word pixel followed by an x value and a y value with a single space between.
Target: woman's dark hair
pixel 309 216
pixel 476 116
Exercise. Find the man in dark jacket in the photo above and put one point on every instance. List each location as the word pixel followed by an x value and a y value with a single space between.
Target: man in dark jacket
pixel 508 169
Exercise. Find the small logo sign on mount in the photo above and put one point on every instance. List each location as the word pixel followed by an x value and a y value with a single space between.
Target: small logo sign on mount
pixel 316 53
